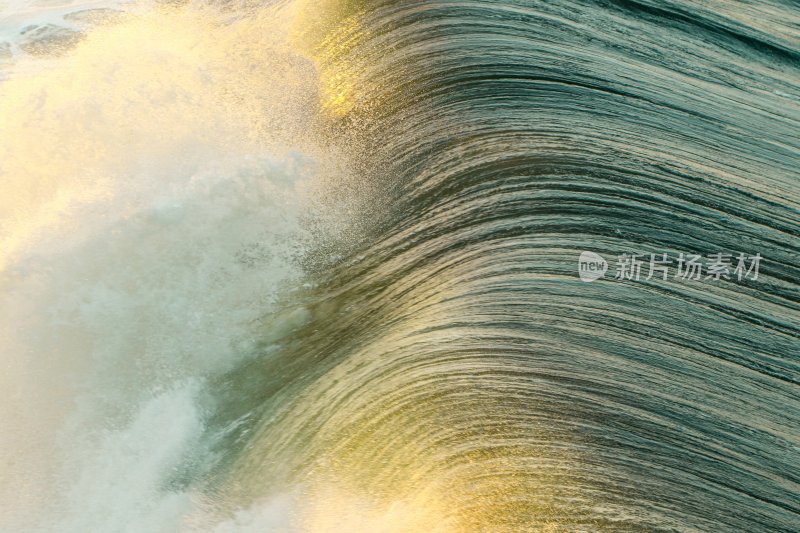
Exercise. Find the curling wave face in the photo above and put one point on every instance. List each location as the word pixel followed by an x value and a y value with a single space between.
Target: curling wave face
pixel 475 383
pixel 439 365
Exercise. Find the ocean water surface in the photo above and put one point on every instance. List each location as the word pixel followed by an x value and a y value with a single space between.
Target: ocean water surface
pixel 399 266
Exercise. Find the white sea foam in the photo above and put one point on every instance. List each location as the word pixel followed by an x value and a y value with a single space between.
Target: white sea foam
pixel 152 184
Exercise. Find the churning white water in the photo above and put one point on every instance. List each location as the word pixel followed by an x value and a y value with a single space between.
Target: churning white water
pixel 154 175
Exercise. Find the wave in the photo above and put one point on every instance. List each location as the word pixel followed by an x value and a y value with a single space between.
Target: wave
pixel 425 356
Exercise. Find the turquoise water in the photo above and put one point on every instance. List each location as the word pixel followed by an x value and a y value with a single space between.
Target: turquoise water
pixel 347 298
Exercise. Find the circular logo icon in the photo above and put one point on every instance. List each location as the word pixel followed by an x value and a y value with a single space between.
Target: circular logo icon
pixel 591 266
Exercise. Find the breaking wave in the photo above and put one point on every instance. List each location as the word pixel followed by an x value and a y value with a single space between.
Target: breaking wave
pixel 312 266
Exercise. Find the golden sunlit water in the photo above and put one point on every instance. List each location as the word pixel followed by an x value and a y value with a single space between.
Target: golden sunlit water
pixel 302 266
